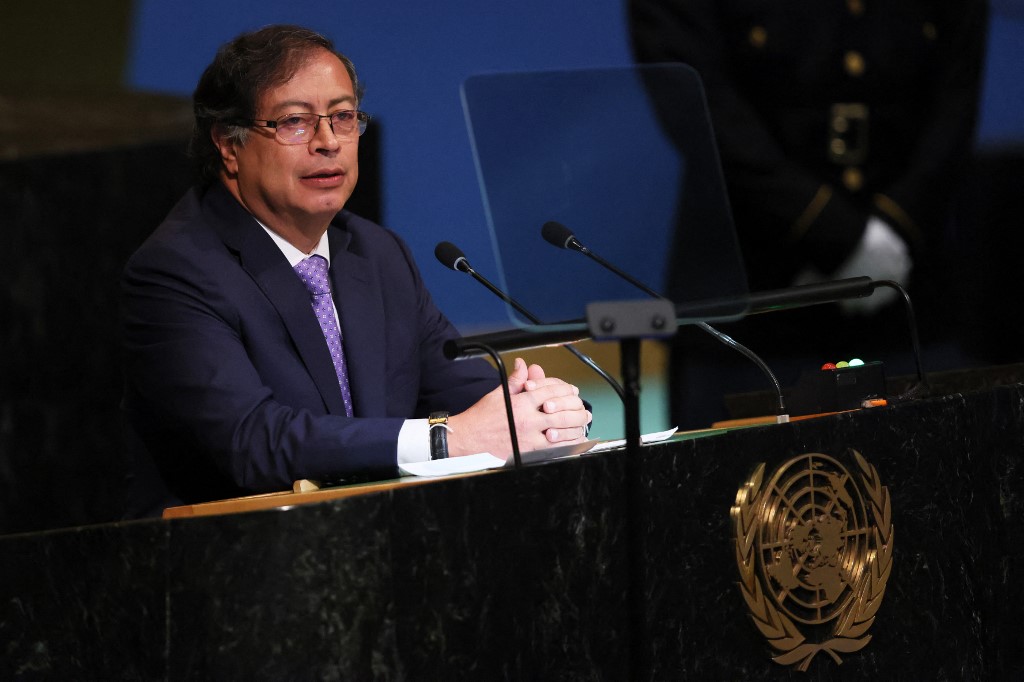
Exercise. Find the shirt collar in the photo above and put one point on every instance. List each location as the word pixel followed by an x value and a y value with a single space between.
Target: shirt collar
pixel 294 255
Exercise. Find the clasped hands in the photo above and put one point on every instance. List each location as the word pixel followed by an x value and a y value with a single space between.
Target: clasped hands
pixel 547 411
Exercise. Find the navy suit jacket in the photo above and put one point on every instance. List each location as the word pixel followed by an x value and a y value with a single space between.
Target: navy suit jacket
pixel 230 389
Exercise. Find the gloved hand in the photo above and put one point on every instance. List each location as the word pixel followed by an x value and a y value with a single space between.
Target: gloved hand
pixel 881 254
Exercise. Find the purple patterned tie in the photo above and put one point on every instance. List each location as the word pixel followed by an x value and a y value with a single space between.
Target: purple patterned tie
pixel 313 273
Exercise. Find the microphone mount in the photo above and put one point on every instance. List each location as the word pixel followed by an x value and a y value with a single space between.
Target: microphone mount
pixel 596 325
pixel 561 236
pixel 452 257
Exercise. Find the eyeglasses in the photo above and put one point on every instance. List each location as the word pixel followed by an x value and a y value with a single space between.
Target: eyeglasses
pixel 298 128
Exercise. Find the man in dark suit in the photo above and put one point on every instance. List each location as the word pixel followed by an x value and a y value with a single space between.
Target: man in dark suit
pixel 242 375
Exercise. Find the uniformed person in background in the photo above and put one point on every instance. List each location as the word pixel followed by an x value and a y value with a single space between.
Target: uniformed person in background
pixel 842 127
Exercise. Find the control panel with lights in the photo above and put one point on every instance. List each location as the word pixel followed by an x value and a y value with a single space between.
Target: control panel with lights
pixel 844 385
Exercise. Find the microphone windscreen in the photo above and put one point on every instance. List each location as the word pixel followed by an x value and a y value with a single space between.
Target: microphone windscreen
pixel 449 255
pixel 557 234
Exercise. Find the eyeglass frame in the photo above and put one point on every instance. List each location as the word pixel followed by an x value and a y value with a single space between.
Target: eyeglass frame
pixel 362 120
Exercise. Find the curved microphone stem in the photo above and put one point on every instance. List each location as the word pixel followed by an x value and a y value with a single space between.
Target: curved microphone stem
pixel 452 257
pixel 914 340
pixel 466 267
pixel 585 359
pixel 571 243
pixel 737 346
pixel 589 362
pixel 508 399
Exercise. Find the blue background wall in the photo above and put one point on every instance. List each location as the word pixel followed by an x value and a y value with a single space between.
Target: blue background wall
pixel 1002 101
pixel 413 57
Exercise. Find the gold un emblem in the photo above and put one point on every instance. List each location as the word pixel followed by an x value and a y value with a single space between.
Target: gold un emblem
pixel 814 552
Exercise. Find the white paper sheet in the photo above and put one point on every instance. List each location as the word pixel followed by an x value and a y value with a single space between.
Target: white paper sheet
pixel 645 438
pixel 453 465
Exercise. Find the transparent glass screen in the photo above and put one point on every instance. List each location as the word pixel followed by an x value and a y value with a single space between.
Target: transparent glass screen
pixel 625 159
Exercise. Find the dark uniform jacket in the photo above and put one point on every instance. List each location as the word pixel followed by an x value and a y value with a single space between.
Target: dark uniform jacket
pixel 827 111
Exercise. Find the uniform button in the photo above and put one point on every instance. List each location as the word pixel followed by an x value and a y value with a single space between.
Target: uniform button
pixel 758 36
pixel 838 147
pixel 840 124
pixel 929 30
pixel 853 62
pixel 853 179
pixel 856 7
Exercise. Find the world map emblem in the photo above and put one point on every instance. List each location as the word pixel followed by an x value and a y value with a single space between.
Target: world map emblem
pixel 814 547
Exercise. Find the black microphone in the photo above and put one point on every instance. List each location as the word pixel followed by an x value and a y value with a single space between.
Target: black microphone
pixel 768 301
pixel 513 339
pixel 452 257
pixel 561 236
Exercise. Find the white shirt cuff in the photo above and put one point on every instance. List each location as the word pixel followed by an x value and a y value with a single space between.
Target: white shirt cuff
pixel 414 441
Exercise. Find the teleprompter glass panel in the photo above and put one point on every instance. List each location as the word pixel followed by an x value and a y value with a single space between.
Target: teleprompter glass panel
pixel 625 159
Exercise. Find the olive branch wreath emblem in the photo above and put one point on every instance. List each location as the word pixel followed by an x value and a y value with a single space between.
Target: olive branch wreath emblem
pixel 850 632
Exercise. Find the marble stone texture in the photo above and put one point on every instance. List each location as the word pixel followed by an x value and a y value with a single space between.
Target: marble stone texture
pixel 84 603
pixel 594 568
pixel 510 575
pixel 945 614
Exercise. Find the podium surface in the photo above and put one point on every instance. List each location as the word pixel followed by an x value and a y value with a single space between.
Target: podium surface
pixel 588 568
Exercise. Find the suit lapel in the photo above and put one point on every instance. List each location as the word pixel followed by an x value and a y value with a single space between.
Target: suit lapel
pixel 264 262
pixel 357 296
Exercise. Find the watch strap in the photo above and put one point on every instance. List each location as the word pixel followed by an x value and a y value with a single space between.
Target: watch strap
pixel 438 422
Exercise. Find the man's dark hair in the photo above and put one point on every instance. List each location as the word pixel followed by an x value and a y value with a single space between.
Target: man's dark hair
pixel 242 71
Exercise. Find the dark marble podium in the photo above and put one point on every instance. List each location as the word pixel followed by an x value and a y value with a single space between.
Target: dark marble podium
pixel 593 568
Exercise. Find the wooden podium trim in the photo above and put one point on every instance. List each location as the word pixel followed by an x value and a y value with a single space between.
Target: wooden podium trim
pixel 287 498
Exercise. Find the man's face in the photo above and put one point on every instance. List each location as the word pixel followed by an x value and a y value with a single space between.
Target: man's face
pixel 298 186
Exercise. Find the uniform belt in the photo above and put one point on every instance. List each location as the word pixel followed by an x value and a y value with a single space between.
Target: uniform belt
pixel 848 133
